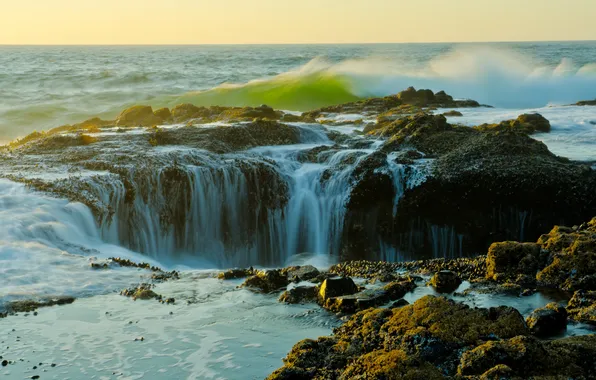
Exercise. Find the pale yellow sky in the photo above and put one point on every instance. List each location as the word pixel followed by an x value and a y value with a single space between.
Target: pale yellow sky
pixel 284 21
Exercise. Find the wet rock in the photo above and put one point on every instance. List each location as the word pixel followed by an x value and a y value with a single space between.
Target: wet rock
pixel 508 260
pixel 299 294
pixel 336 287
pixel 517 353
pixel 582 307
pixel 138 116
pixel 586 103
pixel 526 123
pixel 445 281
pixel 141 292
pixel 27 306
pixel 164 114
pixel 453 114
pixel 233 274
pixel 399 303
pixel 302 273
pixel 573 258
pixel 369 298
pixel 267 281
pixel 425 339
pixel 185 112
pixel 547 321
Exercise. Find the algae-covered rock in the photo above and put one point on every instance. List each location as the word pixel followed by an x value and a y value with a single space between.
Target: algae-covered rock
pixel 267 281
pixel 138 116
pixel 507 260
pixel 573 264
pixel 336 287
pixel 232 274
pixel 582 307
pixel 425 339
pixel 547 321
pixel 301 273
pixel 453 114
pixel 526 123
pixel 445 281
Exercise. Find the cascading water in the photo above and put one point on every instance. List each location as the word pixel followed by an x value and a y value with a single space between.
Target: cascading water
pixel 259 206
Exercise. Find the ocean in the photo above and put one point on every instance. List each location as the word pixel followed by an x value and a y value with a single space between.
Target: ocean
pixel 46 86
pixel 215 330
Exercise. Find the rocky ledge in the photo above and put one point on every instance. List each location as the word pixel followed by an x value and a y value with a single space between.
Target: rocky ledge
pixel 436 337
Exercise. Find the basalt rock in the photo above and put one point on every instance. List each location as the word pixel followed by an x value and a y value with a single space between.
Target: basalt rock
pixel 586 103
pixel 507 260
pixel 547 321
pixel 445 281
pixel 301 273
pixel 526 123
pixel 409 98
pixel 138 116
pixel 299 294
pixel 336 287
pixel 488 187
pixel 582 307
pixel 527 357
pixel 573 258
pixel 267 281
pixel 425 339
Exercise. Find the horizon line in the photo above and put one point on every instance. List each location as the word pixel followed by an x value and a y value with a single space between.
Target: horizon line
pixel 295 43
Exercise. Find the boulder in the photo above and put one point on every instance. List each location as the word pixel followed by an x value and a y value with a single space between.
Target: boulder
pixel 302 273
pixel 164 114
pixel 299 294
pixel 369 298
pixel 336 287
pixel 526 123
pixel 232 274
pixel 138 116
pixel 267 281
pixel 445 281
pixel 453 114
pixel 507 260
pixel 582 307
pixel 185 112
pixel 573 258
pixel 547 321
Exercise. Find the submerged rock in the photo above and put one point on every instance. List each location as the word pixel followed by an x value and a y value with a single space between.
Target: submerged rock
pixel 27 306
pixel 547 321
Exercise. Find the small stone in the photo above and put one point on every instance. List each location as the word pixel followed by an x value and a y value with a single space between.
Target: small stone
pixel 4 363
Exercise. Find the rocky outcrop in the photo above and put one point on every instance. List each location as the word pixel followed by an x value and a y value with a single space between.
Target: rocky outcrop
pixel 586 103
pixel 299 294
pixel 453 114
pixel 507 260
pixel 526 123
pixel 399 103
pixel 138 116
pixel 573 257
pixel 369 297
pixel 424 339
pixel 582 307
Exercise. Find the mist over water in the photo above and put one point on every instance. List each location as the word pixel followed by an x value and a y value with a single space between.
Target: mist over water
pixel 44 87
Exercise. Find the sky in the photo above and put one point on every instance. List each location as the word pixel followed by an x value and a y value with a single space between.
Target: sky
pixel 283 21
